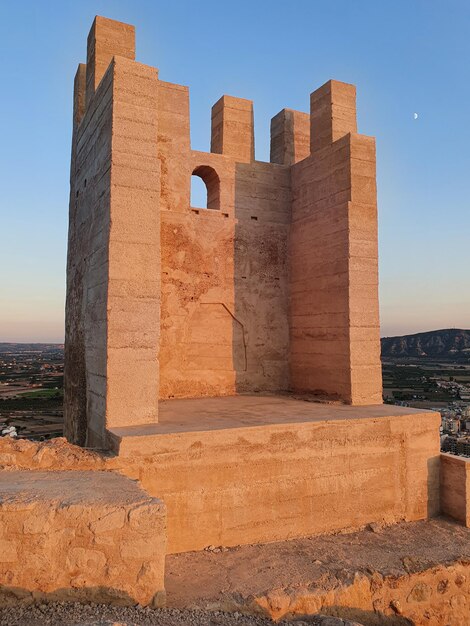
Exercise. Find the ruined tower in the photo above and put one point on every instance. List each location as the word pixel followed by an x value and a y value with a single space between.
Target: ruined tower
pixel 195 335
pixel 272 288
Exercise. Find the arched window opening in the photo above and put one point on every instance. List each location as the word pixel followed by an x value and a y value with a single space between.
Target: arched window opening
pixel 205 188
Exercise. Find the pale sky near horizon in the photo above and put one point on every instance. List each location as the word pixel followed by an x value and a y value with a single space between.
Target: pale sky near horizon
pixel 405 57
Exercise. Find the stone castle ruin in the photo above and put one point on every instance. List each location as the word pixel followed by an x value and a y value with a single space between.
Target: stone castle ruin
pixel 272 289
pixel 228 357
pixel 194 336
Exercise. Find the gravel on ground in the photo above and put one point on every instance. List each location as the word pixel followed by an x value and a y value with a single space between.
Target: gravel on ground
pixel 75 614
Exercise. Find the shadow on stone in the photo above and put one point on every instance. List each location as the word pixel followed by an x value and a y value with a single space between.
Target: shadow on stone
pixel 18 596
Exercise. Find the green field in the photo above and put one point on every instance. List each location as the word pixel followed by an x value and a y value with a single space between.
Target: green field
pixel 42 393
pixel 415 380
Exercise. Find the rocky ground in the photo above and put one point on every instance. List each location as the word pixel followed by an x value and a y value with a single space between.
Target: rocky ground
pixel 73 614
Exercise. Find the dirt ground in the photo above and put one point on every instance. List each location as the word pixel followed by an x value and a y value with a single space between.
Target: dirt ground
pixel 314 562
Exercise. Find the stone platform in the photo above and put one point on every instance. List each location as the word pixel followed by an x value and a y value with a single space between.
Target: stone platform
pixel 248 469
pixel 410 573
pixel 79 535
pixel 241 411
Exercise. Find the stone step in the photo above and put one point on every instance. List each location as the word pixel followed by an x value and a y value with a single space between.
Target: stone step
pixel 82 535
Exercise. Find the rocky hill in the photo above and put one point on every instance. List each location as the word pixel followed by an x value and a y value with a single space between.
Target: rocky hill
pixel 450 343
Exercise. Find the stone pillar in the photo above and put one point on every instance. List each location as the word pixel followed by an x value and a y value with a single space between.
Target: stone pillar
pixel 334 318
pixel 174 145
pixel 232 129
pixel 290 137
pixel 107 38
pixel 113 273
pixel 75 418
pixel 133 305
pixel 332 113
pixel 363 273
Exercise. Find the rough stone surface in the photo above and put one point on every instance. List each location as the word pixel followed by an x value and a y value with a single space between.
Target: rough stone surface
pixel 416 573
pixel 56 454
pixel 73 535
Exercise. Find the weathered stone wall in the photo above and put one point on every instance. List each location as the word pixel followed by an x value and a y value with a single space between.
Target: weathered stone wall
pixel 224 285
pixel 224 271
pixel 87 264
pixel 80 535
pixel 269 483
pixel 455 487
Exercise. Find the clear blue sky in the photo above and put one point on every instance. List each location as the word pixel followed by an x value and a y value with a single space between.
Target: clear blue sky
pixel 404 56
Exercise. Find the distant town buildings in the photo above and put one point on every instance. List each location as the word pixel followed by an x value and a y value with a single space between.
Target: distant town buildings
pixel 31 397
pixel 455 429
pixel 442 387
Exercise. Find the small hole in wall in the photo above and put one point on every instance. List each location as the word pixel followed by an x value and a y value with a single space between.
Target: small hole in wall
pixel 225 214
pixel 253 217
pixel 276 278
pixel 76 195
pixel 243 276
pixel 196 211
pixel 84 184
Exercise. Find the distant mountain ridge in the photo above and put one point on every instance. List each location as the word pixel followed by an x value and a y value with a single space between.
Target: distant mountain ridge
pixel 449 343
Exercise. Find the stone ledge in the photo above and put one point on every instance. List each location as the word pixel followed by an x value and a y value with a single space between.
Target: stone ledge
pixel 206 415
pixel 418 572
pixel 83 535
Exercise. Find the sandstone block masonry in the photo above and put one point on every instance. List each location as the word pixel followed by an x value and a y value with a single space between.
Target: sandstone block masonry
pixel 272 288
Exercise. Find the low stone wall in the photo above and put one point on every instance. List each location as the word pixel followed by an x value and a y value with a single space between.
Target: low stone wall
pixel 88 536
pixel 54 454
pixel 455 487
